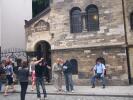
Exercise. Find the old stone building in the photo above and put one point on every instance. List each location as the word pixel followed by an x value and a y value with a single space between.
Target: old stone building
pixel 82 31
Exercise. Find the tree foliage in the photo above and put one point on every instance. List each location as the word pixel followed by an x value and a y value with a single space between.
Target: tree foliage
pixel 38 6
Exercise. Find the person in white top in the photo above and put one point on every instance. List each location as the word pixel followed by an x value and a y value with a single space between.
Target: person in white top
pixel 98 70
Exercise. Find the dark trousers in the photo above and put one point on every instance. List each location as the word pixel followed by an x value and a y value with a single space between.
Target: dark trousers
pixel 24 86
pixel 9 79
pixel 40 81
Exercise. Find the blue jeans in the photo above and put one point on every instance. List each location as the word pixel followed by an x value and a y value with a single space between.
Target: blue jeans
pixel 98 76
pixel 68 81
pixel 40 81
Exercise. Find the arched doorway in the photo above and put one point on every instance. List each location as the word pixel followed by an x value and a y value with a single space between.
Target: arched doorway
pixel 43 49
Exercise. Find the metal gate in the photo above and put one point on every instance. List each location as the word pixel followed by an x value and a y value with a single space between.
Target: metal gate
pixel 14 54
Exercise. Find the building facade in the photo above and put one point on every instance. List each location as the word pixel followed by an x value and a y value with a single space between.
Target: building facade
pixel 82 31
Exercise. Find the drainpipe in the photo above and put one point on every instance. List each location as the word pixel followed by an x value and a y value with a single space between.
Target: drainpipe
pixel 126 41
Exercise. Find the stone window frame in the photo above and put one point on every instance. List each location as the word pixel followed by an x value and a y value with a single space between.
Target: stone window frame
pixel 92 18
pixel 76 21
pixel 131 20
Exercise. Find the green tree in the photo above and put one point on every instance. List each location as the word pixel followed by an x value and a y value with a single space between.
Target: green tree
pixel 39 5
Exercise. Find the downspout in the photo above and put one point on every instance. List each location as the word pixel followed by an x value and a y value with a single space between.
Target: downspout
pixel 126 41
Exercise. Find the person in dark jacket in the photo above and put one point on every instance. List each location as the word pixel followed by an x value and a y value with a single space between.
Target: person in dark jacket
pixel 67 70
pixel 23 76
pixel 39 73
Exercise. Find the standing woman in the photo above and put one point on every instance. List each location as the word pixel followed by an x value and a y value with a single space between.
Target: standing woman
pixel 32 71
pixel 9 76
pixel 23 75
pixel 57 70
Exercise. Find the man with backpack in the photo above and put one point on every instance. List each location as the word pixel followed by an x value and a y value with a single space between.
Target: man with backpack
pixel 99 72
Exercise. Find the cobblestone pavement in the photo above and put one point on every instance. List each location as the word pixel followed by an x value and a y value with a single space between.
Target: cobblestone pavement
pixel 16 96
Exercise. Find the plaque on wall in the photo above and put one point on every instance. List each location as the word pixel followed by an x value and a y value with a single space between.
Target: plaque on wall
pixel 41 25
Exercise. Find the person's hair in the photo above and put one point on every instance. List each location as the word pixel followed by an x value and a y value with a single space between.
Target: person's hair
pixel 8 62
pixel 24 64
pixel 34 59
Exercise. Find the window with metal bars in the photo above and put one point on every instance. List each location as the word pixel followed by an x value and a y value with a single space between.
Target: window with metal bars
pixel 76 20
pixel 92 18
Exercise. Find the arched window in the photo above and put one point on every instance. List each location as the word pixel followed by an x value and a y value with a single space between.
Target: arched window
pixel 76 20
pixel 92 18
pixel 131 20
pixel 74 64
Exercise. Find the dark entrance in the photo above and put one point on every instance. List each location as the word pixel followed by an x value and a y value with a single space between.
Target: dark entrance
pixel 74 64
pixel 43 49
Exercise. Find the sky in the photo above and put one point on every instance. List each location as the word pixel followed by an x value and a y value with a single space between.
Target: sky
pixel 12 15
pixel 0 22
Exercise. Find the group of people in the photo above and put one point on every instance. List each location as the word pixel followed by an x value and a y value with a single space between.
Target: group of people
pixel 23 75
pixel 60 69
pixel 37 78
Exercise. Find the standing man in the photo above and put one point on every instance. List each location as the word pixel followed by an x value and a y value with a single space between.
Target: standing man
pixel 39 73
pixel 67 70
pixel 47 69
pixel 99 70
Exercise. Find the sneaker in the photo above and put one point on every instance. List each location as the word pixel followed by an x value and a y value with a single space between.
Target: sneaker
pixel 93 86
pixel 66 91
pixel 72 91
pixel 13 90
pixel 5 94
pixel 38 98
pixel 103 86
pixel 45 98
pixel 32 89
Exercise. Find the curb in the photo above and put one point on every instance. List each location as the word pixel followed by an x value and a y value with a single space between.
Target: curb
pixel 82 94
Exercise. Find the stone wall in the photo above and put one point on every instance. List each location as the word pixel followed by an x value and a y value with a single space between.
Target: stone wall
pixel 115 58
pixel 111 25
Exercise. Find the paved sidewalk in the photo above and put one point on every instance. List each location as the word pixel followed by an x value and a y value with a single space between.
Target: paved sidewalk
pixel 87 91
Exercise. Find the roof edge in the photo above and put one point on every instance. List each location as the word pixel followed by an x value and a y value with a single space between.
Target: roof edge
pixel 44 12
